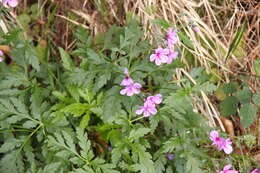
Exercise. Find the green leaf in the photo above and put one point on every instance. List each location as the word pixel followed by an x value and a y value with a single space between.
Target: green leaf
pixel 193 165
pixel 11 162
pixel 256 65
pixel 138 133
pixel 101 81
pixel 247 114
pixel 31 57
pixel 235 42
pixel 256 99
pixel 84 121
pixel 52 167
pixel 244 95
pixel 186 40
pixel 24 19
pixel 230 88
pixel 229 106
pixel 161 22
pixel 29 124
pixel 76 109
pixel 66 60
pixel 94 57
pixel 145 164
pixel 20 106
pixel 9 145
pixel 84 144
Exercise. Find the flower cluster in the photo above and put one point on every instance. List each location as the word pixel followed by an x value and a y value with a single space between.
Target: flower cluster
pixel 221 143
pixel 11 3
pixel 1 56
pixel 227 169
pixel 149 107
pixel 166 55
pixel 131 87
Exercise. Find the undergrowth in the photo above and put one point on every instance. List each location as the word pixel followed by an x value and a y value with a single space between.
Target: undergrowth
pixel 64 111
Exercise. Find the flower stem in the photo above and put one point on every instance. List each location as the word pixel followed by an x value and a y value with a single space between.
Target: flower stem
pixel 136 119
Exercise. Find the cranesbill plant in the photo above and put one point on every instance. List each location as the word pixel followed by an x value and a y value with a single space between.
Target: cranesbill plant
pixel 110 105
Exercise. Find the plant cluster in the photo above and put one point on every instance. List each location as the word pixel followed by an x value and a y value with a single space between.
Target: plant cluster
pixel 81 112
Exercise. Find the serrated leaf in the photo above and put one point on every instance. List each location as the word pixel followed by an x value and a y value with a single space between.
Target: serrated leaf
pixel 247 114
pixel 256 99
pixel 84 144
pixel 108 168
pixel 76 109
pixel 94 57
pixel 84 121
pixel 31 56
pixel 116 155
pixel 193 165
pixel 69 141
pixel 52 167
pixel 20 106
pixel 138 133
pixel 244 95
pixel 29 124
pixel 230 88
pixel 66 60
pixel 145 164
pixel 9 145
pixel 229 106
pixel 9 163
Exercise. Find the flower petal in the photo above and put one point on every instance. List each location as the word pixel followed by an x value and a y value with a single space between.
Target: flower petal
pixel 228 149
pixel 213 135
pixel 158 62
pixel 227 167
pixel 123 91
pixel 127 81
pixel 12 3
pixel 137 85
pixel 139 111
pixel 232 171
pixel 152 57
pixel 153 110
pixel 146 113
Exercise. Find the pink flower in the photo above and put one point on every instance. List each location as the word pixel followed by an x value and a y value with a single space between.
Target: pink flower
pixel 257 170
pixel 131 89
pixel 157 99
pixel 1 54
pixel 171 56
pixel 126 72
pixel 221 143
pixel 227 169
pixel 160 56
pixel 149 105
pixel 11 3
pixel 195 28
pixel 147 110
pixel 127 81
pixel 227 147
pixel 171 37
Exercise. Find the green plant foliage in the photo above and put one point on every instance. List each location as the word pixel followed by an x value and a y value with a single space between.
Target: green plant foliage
pixel 247 115
pixel 229 106
pixel 66 113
